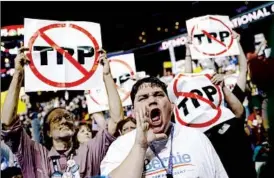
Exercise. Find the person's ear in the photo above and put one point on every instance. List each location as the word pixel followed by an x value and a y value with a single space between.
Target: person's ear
pixel 172 107
pixel 49 134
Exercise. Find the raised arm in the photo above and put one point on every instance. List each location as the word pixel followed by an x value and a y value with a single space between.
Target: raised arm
pixel 241 81
pixel 232 101
pixel 9 110
pixel 114 101
pixel 188 60
pixel 99 119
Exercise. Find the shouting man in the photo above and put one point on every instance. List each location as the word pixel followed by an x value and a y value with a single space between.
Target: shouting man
pixel 157 147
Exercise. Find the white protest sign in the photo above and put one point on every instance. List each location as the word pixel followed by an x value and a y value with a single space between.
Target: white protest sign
pixel 211 36
pixel 180 66
pixel 200 104
pixel 231 80
pixel 122 69
pixel 259 38
pixel 63 55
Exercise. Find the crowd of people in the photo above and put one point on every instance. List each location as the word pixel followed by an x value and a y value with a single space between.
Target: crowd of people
pixel 61 139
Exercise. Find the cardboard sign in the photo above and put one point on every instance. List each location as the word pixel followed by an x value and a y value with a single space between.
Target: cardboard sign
pixel 200 104
pixel 211 36
pixel 63 55
pixel 123 70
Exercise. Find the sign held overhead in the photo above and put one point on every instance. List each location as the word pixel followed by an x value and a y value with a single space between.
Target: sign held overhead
pixel 211 36
pixel 62 55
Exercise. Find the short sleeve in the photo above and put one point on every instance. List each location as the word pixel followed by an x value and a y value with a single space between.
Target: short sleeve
pixel 98 147
pixel 117 153
pixel 215 163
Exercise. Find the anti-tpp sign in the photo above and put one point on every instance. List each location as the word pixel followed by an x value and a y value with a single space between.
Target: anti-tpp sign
pixel 63 55
pixel 123 70
pixel 199 103
pixel 211 36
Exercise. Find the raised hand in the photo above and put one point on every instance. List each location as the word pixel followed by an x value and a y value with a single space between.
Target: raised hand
pixel 218 79
pixel 145 135
pixel 236 36
pixel 21 59
pixel 104 62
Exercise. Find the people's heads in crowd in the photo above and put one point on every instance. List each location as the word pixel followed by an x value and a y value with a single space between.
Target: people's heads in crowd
pixel 58 125
pixel 12 172
pixel 150 94
pixel 126 126
pixel 84 132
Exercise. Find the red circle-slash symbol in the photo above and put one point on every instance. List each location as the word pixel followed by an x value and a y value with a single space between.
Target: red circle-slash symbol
pixel 226 47
pixel 74 62
pixel 200 98
pixel 127 93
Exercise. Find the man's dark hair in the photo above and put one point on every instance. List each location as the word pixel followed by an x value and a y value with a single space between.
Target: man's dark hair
pixel 154 81
pixel 122 123
pixel 11 172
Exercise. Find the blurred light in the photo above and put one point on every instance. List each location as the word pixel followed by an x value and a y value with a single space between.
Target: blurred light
pixel 177 23
pixel 39 93
pixel 144 40
pixel 7 65
pixel 7 60
pixel 176 27
pixel 143 33
pixel 140 38
pixel 3 75
pixel 166 30
pixel 159 28
pixel 11 71
pixel 2 43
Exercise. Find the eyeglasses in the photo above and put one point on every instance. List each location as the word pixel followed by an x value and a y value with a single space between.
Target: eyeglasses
pixel 128 128
pixel 67 116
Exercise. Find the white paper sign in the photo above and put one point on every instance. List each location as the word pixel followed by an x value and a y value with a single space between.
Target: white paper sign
pixel 231 81
pixel 63 55
pixel 200 104
pixel 211 36
pixel 259 38
pixel 122 69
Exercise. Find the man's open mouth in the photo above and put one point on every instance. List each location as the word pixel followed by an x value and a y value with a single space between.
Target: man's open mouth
pixel 155 116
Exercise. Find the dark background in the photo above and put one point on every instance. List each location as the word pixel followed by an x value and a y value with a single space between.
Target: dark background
pixel 123 22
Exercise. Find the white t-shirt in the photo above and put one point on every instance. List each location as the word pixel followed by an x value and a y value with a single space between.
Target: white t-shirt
pixel 193 156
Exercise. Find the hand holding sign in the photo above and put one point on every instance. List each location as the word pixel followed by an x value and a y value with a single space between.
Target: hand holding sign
pixel 236 36
pixel 21 59
pixel 104 62
pixel 218 79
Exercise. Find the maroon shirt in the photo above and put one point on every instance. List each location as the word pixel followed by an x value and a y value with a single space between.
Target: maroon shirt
pixel 36 161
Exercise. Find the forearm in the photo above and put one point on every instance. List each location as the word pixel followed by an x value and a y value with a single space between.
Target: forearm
pixel 243 69
pixel 115 103
pixel 136 160
pixel 234 104
pixel 9 109
pixel 188 61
